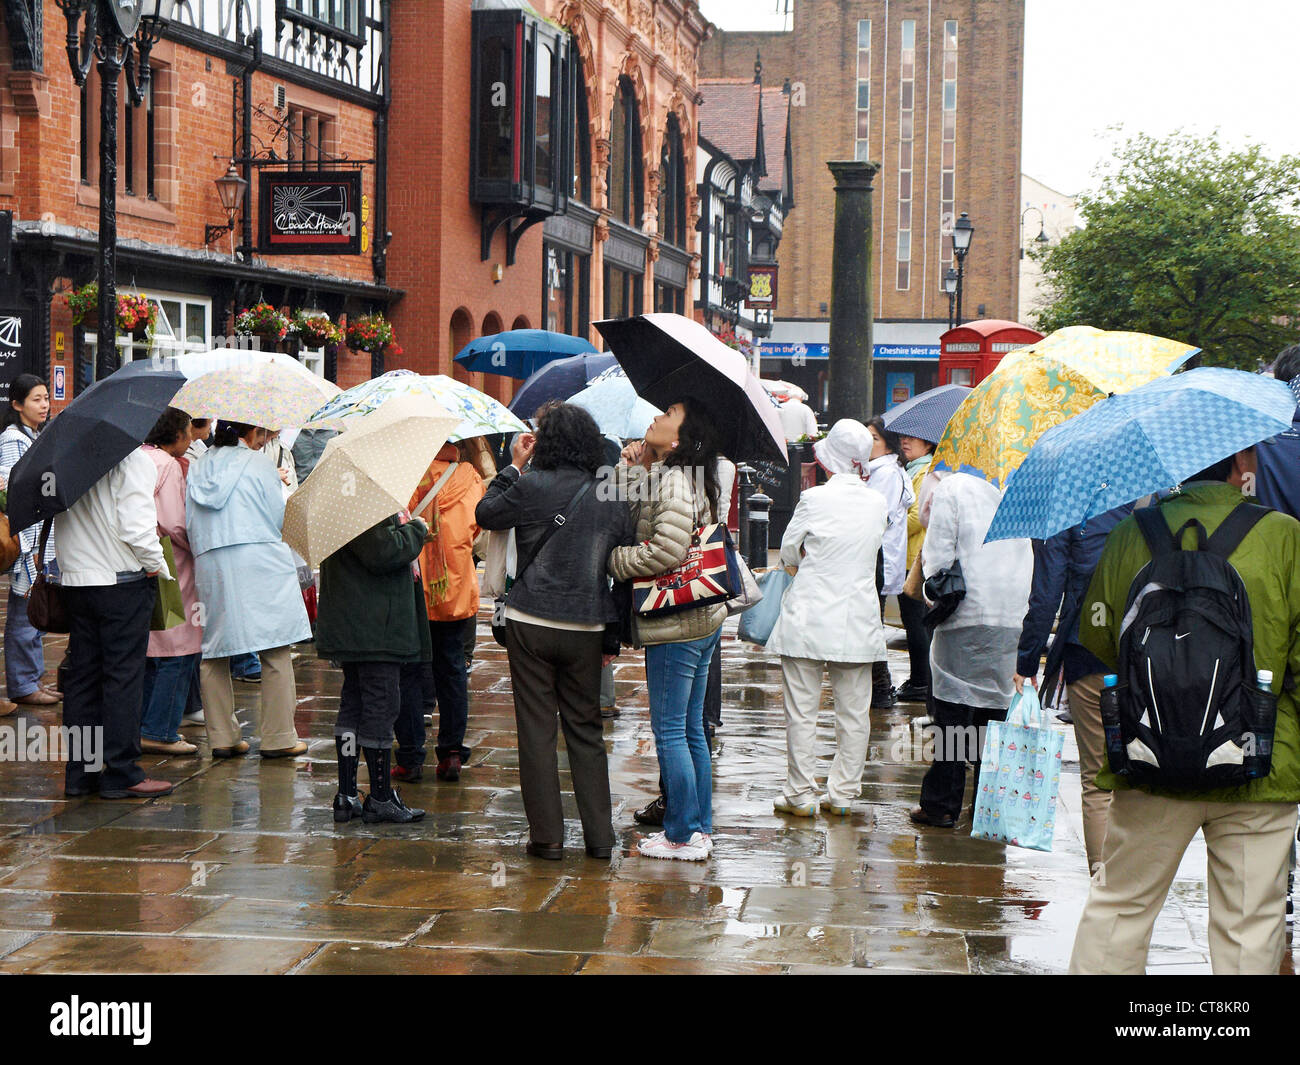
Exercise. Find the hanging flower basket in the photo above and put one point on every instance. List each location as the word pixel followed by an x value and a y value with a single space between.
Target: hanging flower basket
pixel 136 315
pixel 262 321
pixel 371 333
pixel 83 302
pixel 315 330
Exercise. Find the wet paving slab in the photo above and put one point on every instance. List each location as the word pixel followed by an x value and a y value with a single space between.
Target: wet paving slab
pixel 242 868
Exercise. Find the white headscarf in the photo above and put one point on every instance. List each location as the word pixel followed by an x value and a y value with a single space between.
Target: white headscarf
pixel 846 448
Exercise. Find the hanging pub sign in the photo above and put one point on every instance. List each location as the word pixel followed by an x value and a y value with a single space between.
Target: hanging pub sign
pixel 762 287
pixel 309 212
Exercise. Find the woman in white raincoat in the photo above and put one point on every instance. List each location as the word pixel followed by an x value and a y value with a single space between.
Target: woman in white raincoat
pixel 248 586
pixel 972 650
pixel 830 619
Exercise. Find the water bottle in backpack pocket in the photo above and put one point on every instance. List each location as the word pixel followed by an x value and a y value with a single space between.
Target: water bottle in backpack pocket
pixel 1191 715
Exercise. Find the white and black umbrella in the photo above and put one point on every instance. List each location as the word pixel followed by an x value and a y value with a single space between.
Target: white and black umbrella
pixel 668 357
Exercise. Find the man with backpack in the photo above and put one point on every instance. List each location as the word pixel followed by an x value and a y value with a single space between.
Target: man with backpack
pixel 1206 644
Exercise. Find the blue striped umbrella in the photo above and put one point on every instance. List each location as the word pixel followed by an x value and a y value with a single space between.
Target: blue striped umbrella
pixel 926 416
pixel 1135 443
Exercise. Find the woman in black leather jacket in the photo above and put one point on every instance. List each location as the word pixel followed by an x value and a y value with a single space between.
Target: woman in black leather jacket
pixel 561 619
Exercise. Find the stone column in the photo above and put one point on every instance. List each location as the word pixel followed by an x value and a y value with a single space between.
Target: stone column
pixel 851 367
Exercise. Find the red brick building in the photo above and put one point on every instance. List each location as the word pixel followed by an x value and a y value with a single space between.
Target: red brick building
pixel 366 87
pixel 316 95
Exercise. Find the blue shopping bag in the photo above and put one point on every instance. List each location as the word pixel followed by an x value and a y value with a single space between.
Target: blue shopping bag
pixel 1020 776
pixel 757 622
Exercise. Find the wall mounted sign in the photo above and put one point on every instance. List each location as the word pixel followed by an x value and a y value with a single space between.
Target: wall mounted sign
pixel 762 287
pixel 12 326
pixel 309 212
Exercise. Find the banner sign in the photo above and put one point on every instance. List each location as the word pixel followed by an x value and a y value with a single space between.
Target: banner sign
pixel 794 349
pixel 762 287
pixel 309 212
pixel 12 324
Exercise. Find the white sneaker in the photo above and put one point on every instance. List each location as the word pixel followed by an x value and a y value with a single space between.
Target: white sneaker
pixel 659 846
pixel 708 841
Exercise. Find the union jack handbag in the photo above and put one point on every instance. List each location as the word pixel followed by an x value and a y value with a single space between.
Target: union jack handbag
pixel 705 576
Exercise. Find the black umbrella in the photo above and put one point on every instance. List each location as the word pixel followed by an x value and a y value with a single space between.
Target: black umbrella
pixel 668 357
pixel 97 431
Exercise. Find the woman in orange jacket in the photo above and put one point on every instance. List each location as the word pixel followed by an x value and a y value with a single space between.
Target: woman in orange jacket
pixel 445 498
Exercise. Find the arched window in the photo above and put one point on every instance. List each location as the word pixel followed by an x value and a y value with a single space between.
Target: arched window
pixel 672 186
pixel 460 332
pixel 626 195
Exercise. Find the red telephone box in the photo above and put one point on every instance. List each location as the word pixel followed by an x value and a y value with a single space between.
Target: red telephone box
pixel 969 353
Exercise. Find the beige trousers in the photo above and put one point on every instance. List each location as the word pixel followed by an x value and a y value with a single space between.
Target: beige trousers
pixel 279 699
pixel 1085 708
pixel 1249 847
pixel 851 686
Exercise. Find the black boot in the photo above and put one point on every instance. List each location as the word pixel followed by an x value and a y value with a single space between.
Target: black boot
pixel 383 803
pixel 346 804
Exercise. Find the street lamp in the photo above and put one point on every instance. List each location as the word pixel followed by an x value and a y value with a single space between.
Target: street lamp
pixel 962 232
pixel 1042 229
pixel 950 287
pixel 114 30
pixel 230 190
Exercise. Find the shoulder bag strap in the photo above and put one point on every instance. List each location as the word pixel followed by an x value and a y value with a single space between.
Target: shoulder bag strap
pixel 424 503
pixel 46 525
pixel 556 525
pixel 1234 528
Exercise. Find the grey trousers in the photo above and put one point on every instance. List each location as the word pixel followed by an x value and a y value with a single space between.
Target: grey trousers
pixel 554 671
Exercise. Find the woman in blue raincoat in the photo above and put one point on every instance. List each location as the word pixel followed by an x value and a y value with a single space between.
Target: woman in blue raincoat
pixel 248 587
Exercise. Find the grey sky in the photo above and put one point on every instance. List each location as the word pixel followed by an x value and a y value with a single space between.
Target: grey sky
pixel 1152 65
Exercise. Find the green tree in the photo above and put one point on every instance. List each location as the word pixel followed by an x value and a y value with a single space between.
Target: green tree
pixel 1185 240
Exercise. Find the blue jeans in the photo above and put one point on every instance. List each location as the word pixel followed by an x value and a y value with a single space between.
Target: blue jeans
pixel 24 658
pixel 243 665
pixel 166 692
pixel 677 675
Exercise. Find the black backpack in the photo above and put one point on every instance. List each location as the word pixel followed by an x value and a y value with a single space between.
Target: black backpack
pixel 1190 714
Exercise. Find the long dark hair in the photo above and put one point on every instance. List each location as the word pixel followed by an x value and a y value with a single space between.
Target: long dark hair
pixel 19 389
pixel 227 434
pixel 892 442
pixel 567 436
pixel 696 452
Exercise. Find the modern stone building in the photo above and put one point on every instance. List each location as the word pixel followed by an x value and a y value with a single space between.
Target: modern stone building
pixel 930 90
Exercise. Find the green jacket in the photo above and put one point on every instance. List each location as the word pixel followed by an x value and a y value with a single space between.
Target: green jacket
pixel 1267 560
pixel 371 605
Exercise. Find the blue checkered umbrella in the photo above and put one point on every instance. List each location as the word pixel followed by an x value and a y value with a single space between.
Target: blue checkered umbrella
pixel 1135 443
pixel 926 416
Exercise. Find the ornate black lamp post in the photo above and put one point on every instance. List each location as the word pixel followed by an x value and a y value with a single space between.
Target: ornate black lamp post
pixel 113 32
pixel 950 287
pixel 962 232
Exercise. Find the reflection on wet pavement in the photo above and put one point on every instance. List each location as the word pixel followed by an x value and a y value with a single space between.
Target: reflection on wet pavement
pixel 242 868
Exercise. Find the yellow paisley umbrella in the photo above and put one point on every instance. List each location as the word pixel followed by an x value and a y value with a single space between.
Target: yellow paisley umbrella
pixel 1040 386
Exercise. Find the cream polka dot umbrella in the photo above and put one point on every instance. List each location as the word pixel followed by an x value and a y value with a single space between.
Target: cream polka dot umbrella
pixel 365 474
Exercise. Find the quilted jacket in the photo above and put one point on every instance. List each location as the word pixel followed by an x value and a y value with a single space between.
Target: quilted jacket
pixel 668 513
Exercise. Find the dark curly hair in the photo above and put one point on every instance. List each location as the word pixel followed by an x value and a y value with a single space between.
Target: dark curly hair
pixel 697 450
pixel 568 436
pixel 167 428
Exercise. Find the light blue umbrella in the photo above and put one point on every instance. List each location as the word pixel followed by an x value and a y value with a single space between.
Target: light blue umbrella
pixel 1135 443
pixel 618 410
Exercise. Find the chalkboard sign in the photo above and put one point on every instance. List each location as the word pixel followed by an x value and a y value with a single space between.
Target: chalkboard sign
pixel 771 475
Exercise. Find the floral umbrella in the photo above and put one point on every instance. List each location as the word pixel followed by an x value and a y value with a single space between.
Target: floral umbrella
pixel 268 394
pixel 1038 387
pixel 480 414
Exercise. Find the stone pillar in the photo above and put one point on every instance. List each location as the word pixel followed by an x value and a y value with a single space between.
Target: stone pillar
pixel 851 311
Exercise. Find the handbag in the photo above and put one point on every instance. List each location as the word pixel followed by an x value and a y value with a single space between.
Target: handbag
pixel 742 577
pixel 944 591
pixel 915 579
pixel 502 557
pixel 10 546
pixel 168 606
pixel 1020 776
pixel 702 578
pixel 756 625
pixel 45 607
pixel 557 523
